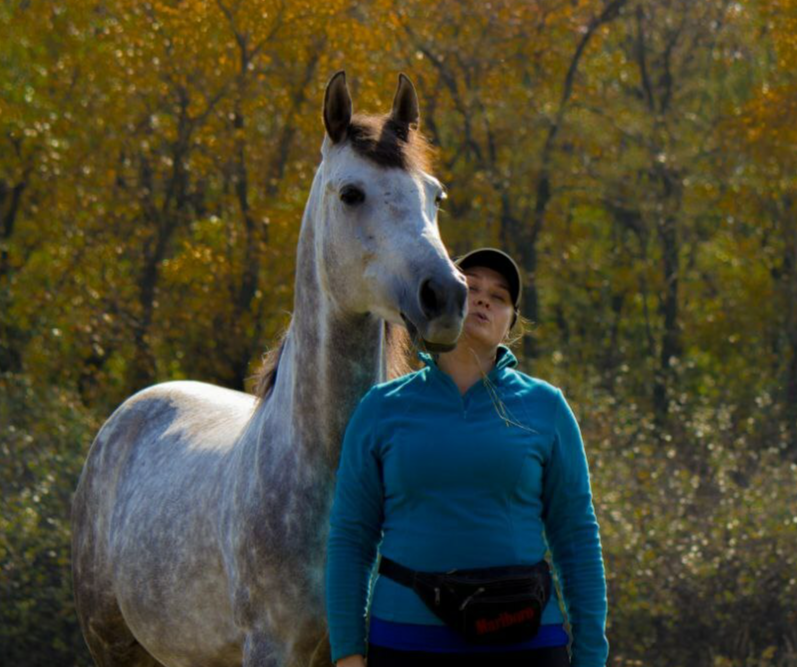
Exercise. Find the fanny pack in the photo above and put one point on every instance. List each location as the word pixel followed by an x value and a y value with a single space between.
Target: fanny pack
pixel 493 605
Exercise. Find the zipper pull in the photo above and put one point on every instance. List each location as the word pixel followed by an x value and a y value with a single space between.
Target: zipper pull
pixel 470 597
pixel 437 596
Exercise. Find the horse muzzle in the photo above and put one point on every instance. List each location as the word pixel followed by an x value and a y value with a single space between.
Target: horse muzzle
pixel 434 320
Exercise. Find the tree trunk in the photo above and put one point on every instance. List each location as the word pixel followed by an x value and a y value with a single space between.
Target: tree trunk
pixel 166 220
pixel 526 238
pixel 671 346
pixel 10 198
pixel 246 346
pixel 789 279
pixel 10 349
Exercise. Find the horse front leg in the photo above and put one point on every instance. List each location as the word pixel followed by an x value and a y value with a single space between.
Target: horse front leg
pixel 308 651
pixel 310 647
pixel 322 655
pixel 260 651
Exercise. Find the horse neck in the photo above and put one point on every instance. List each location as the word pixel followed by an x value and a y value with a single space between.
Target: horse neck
pixel 330 358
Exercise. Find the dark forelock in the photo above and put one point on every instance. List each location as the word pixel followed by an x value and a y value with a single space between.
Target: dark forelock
pixel 388 143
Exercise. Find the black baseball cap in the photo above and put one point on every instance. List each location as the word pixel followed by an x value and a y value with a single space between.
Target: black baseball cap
pixel 499 261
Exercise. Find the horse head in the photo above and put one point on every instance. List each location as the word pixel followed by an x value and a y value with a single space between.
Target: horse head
pixel 380 246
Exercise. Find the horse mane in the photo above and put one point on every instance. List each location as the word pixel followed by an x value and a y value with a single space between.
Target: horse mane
pixel 389 143
pixel 266 375
pixel 398 352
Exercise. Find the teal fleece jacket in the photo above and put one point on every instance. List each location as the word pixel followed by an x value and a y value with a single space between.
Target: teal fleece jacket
pixel 437 480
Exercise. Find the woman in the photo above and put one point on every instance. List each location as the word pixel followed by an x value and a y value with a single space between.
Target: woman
pixel 463 465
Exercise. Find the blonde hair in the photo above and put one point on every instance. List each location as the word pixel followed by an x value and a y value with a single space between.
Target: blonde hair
pixel 521 328
pixel 516 332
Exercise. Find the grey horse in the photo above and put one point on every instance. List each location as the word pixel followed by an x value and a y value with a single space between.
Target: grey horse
pixel 200 519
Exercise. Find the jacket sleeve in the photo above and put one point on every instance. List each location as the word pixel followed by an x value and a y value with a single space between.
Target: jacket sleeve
pixel 571 530
pixel 355 531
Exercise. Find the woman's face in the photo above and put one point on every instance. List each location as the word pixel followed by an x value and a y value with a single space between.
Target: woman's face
pixel 490 308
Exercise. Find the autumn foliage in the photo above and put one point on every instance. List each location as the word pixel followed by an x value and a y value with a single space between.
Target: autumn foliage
pixel 639 157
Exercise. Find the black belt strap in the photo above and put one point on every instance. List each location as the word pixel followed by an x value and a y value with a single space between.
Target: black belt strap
pixel 407 577
pixel 398 573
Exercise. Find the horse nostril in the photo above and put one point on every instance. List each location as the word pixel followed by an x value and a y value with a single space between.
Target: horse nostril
pixel 430 303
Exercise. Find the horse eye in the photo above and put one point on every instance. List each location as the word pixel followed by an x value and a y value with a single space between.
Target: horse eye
pixel 441 196
pixel 351 195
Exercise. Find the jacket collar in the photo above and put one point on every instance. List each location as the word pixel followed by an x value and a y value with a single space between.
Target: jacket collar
pixel 503 359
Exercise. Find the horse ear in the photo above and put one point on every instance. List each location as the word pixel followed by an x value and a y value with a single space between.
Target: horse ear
pixel 405 104
pixel 337 107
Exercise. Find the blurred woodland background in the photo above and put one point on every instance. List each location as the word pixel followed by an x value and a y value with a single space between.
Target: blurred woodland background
pixel 638 156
